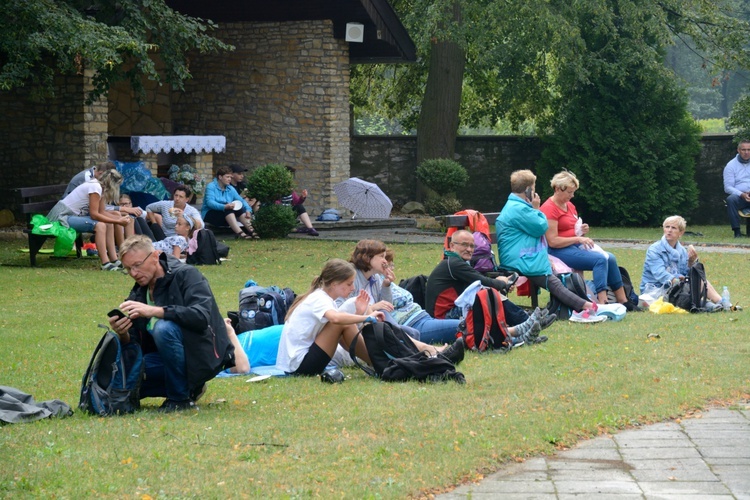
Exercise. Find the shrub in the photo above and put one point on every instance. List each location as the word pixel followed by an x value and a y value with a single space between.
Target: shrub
pixel 442 205
pixel 442 175
pixel 274 221
pixel 269 183
pixel 632 146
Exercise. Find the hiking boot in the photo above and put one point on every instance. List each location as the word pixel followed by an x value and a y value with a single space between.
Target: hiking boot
pixel 454 352
pixel 170 406
pixel 199 394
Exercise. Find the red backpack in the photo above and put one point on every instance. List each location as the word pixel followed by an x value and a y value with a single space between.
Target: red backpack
pixel 484 326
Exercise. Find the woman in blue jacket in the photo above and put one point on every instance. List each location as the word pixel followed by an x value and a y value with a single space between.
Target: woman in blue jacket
pixel 223 206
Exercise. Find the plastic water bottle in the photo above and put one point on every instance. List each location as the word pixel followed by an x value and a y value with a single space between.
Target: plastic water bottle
pixel 726 302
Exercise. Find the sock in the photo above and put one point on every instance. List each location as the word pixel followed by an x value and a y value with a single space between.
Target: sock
pixel 523 328
pixel 539 314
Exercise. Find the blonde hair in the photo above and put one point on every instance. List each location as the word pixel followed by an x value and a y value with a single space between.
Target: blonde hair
pixel 521 179
pixel 136 242
pixel 110 181
pixel 564 180
pixel 334 271
pixel 677 221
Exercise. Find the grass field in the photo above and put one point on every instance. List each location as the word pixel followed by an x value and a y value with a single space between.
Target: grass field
pixel 299 438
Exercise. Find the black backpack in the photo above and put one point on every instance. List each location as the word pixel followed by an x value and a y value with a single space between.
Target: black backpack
pixel 573 282
pixel 416 286
pixel 395 358
pixel 209 251
pixel 113 378
pixel 692 293
pixel 261 307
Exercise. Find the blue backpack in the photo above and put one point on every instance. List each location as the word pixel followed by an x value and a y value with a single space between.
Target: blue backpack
pixel 261 307
pixel 112 381
pixel 330 214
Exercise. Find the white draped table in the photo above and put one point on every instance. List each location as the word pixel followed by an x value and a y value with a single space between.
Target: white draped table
pixel 178 143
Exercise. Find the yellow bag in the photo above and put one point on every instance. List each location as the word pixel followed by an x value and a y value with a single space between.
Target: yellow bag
pixel 661 307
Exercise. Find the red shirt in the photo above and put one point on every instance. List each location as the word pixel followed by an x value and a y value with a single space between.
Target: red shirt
pixel 566 221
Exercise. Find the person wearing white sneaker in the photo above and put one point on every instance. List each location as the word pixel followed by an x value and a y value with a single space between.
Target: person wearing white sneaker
pixel 84 210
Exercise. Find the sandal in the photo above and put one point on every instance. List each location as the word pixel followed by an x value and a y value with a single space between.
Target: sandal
pixel 242 236
pixel 250 232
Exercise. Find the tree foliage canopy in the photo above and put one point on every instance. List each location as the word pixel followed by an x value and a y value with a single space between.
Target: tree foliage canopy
pixel 116 40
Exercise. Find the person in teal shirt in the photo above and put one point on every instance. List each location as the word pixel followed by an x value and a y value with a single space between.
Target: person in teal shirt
pixel 223 206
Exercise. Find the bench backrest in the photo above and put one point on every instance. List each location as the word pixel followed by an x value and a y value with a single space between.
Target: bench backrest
pixel 462 222
pixel 29 195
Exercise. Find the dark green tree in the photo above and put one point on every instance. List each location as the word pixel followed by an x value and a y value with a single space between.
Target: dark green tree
pixel 115 40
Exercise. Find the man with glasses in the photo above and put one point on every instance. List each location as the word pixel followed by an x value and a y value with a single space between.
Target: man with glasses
pixel 171 312
pixel 454 274
pixel 737 185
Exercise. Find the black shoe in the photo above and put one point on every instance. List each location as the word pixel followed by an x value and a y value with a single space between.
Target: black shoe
pixel 170 406
pixel 454 352
pixel 196 395
pixel 332 376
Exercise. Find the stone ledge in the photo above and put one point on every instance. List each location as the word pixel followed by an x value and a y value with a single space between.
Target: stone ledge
pixel 347 223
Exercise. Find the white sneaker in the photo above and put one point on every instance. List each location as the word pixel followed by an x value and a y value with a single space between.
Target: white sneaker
pixel 586 317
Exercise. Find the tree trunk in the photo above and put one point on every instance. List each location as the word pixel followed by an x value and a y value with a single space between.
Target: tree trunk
pixel 438 118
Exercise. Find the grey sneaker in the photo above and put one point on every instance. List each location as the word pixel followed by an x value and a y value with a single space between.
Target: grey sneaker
pixel 110 266
pixel 712 307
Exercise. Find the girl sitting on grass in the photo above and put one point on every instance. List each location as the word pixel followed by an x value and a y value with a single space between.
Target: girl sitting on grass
pixel 314 326
pixel 178 243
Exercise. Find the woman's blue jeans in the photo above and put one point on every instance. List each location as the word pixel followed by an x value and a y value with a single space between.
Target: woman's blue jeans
pixel 436 331
pixel 166 373
pixel 605 269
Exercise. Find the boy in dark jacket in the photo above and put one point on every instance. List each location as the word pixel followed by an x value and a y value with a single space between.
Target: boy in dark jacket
pixel 171 312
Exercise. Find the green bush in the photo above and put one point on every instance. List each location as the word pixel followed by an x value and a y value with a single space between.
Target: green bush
pixel 739 119
pixel 442 175
pixel 269 183
pixel 442 205
pixel 274 220
pixel 633 147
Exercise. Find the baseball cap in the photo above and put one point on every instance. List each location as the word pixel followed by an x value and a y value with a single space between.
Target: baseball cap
pixel 236 169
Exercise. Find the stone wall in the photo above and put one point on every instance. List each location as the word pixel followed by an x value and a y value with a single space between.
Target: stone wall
pixel 390 162
pixel 48 141
pixel 281 97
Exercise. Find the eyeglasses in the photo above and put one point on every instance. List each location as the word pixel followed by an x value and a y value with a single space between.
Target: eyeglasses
pixel 135 267
pixel 126 204
pixel 465 245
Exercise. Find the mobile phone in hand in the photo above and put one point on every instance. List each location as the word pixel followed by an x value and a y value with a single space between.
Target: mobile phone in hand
pixel 116 313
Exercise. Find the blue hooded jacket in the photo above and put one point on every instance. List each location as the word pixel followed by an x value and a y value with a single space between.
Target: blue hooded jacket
pixel 521 244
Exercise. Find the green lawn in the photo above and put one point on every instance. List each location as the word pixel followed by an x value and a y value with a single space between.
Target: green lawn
pixel 299 438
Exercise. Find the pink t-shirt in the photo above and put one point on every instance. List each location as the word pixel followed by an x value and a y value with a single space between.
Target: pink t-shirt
pixel 566 221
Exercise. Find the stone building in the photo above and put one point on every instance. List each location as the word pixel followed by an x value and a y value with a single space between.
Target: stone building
pixel 281 97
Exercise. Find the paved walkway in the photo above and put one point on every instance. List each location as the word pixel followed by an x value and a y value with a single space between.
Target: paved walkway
pixel 695 458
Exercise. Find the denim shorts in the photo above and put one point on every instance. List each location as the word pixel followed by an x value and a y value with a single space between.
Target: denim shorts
pixel 81 223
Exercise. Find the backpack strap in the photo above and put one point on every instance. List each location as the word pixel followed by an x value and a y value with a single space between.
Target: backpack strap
pixel 353 355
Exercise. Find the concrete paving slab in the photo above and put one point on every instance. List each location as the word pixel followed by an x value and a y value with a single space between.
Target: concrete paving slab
pixel 662 461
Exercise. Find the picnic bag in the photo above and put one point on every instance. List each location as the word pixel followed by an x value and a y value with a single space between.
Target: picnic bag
pixel 573 282
pixel 484 326
pixel 395 358
pixel 416 286
pixel 113 378
pixel 208 252
pixel 261 307
pixel 692 293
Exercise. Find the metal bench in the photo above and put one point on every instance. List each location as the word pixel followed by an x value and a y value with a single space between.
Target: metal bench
pixel 40 200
